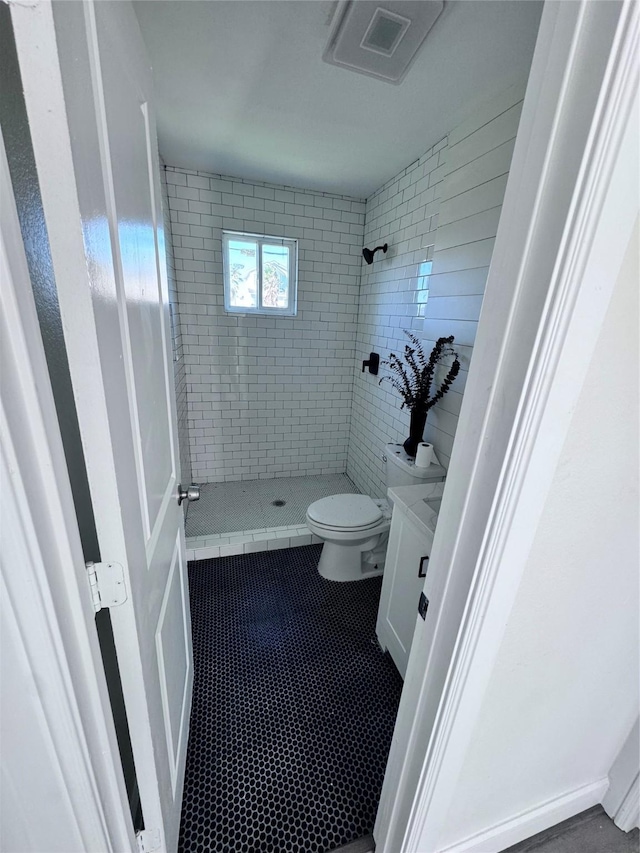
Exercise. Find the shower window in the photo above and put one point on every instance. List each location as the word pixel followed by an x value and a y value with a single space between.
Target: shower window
pixel 260 274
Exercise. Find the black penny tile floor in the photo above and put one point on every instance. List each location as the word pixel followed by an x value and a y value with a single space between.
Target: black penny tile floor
pixel 293 708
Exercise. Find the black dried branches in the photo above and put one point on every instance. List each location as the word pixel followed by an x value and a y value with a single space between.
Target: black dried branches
pixel 414 379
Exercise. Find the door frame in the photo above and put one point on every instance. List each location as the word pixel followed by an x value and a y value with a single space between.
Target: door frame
pixel 46 602
pixel 62 176
pixel 568 212
pixel 622 800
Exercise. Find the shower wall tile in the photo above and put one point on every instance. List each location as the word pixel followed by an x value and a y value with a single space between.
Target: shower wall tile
pixel 179 372
pixel 266 397
pixel 440 217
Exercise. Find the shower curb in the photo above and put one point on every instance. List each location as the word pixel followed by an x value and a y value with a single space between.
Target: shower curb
pixel 249 542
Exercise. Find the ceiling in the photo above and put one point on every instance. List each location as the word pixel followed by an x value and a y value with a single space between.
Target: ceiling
pixel 241 88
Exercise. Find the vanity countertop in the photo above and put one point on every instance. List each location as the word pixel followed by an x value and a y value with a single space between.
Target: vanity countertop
pixel 412 501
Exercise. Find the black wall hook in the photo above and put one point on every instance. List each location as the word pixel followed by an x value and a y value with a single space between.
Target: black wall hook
pixel 373 363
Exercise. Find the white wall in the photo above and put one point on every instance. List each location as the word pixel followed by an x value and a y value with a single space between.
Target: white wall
pixel 393 292
pixel 280 397
pixel 266 397
pixel 440 217
pixel 564 691
pixel 476 171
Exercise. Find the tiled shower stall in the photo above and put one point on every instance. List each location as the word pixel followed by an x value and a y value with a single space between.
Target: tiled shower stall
pixel 266 396
pixel 285 398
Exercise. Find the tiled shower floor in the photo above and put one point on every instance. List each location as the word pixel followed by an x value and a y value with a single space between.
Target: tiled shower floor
pixel 256 515
pixel 294 706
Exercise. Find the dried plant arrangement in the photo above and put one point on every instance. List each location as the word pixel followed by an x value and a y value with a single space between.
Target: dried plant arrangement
pixel 414 379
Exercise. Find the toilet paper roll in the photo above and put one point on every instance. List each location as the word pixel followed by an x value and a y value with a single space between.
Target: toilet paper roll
pixel 424 455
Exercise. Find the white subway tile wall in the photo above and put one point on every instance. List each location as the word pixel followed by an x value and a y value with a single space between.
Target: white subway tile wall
pixel 266 397
pixel 179 373
pixel 262 397
pixel 440 217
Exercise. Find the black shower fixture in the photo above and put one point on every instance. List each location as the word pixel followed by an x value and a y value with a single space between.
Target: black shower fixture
pixel 368 254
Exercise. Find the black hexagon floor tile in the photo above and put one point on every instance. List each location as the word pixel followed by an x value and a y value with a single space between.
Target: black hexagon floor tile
pixel 293 707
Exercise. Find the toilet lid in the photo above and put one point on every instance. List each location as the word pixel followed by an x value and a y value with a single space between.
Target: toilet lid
pixel 350 512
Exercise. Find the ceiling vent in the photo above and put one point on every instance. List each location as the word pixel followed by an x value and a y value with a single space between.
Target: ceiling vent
pixel 380 41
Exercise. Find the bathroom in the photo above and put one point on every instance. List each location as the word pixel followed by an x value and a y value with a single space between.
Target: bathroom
pixel 308 488
pixel 277 412
pixel 263 398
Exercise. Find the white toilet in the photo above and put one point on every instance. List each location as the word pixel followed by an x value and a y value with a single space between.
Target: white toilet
pixel 355 528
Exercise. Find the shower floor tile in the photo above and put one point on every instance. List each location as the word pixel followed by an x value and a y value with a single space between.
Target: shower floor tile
pixel 250 505
pixel 294 706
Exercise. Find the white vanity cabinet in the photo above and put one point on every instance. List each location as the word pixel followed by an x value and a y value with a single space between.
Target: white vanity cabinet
pixel 406 565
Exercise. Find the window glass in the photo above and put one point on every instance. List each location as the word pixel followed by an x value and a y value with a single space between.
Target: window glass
pixel 260 274
pixel 275 276
pixel 243 274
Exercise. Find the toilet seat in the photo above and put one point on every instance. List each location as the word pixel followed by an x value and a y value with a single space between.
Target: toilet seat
pixel 358 513
pixel 343 529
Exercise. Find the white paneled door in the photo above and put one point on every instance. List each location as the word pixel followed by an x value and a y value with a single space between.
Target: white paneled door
pixel 91 116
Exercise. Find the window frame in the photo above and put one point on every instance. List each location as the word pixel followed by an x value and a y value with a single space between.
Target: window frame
pixel 260 240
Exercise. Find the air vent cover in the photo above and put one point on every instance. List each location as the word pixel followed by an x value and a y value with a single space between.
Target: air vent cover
pixel 380 41
pixel 385 32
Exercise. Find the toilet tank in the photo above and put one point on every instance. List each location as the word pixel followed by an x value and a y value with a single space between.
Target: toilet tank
pixel 402 471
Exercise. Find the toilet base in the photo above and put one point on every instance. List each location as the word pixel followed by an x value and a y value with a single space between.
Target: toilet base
pixel 349 563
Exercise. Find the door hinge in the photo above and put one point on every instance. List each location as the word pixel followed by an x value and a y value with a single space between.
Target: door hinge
pixel 148 840
pixel 106 584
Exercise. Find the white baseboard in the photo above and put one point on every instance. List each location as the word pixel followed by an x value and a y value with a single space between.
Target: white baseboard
pixel 532 821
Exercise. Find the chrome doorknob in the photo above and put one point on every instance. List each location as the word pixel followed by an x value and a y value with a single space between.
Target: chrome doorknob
pixel 191 493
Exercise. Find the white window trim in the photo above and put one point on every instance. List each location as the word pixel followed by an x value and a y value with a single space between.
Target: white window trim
pixel 261 239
